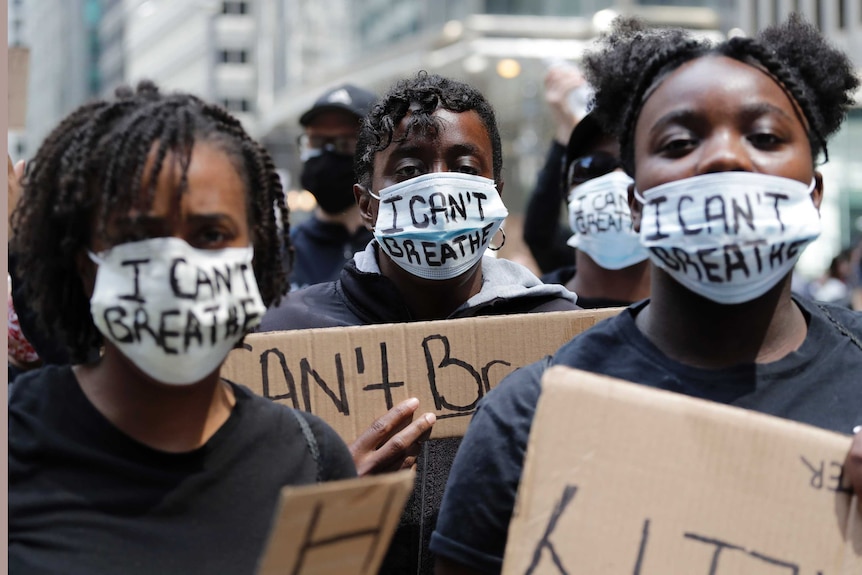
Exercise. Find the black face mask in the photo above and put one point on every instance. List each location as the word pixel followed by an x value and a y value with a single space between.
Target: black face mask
pixel 329 177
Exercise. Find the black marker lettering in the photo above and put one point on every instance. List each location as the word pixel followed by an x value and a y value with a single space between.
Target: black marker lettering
pixel 657 235
pixel 175 284
pixel 306 370
pixel 385 384
pixel 479 197
pixel 437 209
pixel 665 257
pixel 392 247
pixel 288 377
pixel 394 227
pixel 453 204
pixel 816 473
pixel 141 323
pixel 708 266
pixel 192 331
pixel 136 294
pixel 165 333
pixel 720 215
pixel 432 366
pixel 424 222
pixel 569 492
pixel 684 260
pixel 687 231
pixel 748 215
pixel 113 319
pixel 429 250
pixel 778 197
pixel 411 252
pixel 733 251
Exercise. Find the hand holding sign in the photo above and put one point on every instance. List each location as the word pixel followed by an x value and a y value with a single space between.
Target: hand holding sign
pixel 392 442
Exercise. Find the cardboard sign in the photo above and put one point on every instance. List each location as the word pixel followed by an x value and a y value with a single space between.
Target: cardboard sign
pixel 351 376
pixel 622 479
pixel 19 65
pixel 337 528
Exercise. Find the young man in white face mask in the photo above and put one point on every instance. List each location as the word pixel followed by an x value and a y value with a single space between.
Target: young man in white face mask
pixel 721 142
pixel 428 164
pixel 611 266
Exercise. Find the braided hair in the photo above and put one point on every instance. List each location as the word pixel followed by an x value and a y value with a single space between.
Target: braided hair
pixel 425 93
pixel 92 166
pixel 633 59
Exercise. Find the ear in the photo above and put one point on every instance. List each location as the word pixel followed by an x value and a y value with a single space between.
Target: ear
pixel 367 205
pixel 817 192
pixel 636 209
pixel 86 271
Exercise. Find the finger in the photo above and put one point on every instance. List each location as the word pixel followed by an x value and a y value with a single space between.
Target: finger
pixel 854 466
pixel 407 442
pixel 399 450
pixel 385 426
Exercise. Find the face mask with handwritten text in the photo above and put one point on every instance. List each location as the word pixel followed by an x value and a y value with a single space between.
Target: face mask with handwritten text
pixel 600 217
pixel 728 236
pixel 173 310
pixel 438 225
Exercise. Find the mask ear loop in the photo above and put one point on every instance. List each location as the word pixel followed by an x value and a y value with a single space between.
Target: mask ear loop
pixel 638 196
pixel 494 249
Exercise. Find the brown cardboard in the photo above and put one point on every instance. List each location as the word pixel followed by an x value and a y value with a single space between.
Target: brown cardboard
pixel 337 528
pixel 350 376
pixel 19 64
pixel 622 479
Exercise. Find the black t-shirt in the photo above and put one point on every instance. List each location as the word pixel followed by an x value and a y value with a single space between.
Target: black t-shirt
pixel 819 384
pixel 86 498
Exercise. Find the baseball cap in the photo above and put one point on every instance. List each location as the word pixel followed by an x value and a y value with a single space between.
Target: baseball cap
pixel 345 97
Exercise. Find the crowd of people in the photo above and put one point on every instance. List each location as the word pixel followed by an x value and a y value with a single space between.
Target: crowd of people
pixel 150 234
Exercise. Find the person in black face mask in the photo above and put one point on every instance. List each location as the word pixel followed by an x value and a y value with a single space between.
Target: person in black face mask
pixel 327 240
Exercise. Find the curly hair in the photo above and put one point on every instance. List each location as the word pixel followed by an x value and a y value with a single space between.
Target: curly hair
pixel 91 167
pixel 430 92
pixel 633 59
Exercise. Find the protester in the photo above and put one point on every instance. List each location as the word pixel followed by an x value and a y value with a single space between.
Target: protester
pixel 428 163
pixel 699 125
pixel 148 231
pixel 611 266
pixel 544 233
pixel 328 239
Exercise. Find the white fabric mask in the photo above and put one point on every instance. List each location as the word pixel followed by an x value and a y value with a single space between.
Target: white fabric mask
pixel 438 225
pixel 600 217
pixel 175 311
pixel 728 236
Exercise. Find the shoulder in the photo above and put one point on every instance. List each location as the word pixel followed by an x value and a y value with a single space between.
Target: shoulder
pixel 40 384
pixel 310 307
pixel 304 431
pixel 333 456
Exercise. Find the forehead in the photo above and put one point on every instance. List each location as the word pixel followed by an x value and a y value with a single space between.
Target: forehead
pixel 213 183
pixel 715 84
pixel 452 128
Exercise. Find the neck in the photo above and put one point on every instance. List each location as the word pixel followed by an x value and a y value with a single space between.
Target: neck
pixel 629 284
pixel 351 218
pixel 169 418
pixel 701 333
pixel 432 299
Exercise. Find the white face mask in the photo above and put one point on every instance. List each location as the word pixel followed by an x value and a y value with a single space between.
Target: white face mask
pixel 173 310
pixel 600 217
pixel 728 236
pixel 438 225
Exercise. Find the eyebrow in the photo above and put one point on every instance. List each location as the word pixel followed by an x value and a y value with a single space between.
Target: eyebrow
pixel 689 116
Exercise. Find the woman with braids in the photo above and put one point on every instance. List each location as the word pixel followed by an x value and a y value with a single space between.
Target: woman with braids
pixel 149 234
pixel 721 141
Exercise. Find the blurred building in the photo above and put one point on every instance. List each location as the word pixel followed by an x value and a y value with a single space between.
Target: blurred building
pixel 60 36
pixel 268 60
